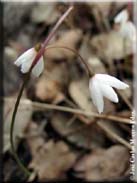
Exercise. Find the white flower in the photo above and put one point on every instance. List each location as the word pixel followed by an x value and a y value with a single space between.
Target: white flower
pixel 25 62
pixel 100 86
pixel 122 17
pixel 127 28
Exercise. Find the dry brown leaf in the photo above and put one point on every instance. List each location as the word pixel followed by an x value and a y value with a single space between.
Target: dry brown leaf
pixel 34 137
pixel 110 46
pixel 113 132
pixel 104 7
pixel 85 50
pixel 128 92
pixel 94 62
pixel 52 83
pixel 47 90
pixel 96 65
pixel 22 119
pixel 98 165
pixel 45 12
pixel 81 134
pixel 50 160
pixel 69 39
pixel 11 53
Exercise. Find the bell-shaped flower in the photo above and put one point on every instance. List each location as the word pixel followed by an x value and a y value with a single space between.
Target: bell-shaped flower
pixel 26 59
pixel 127 28
pixel 100 86
pixel 122 17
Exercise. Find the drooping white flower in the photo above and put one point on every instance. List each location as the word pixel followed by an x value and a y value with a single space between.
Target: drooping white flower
pixel 25 61
pixel 127 28
pixel 122 17
pixel 100 86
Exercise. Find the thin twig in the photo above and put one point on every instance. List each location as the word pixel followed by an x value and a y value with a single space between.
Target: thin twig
pixel 114 135
pixel 125 99
pixel 70 110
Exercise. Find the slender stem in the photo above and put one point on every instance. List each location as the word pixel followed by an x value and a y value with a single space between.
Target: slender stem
pixel 36 59
pixel 89 72
pixel 12 126
pixel 51 34
pixel 57 25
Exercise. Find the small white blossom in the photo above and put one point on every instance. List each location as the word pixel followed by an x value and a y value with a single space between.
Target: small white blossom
pixel 127 28
pixel 122 17
pixel 100 86
pixel 26 59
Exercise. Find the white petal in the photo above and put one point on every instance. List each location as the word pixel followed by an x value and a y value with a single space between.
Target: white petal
pixel 38 68
pixel 27 55
pixel 96 95
pixel 26 66
pixel 109 93
pixel 122 17
pixel 25 61
pixel 129 30
pixel 111 81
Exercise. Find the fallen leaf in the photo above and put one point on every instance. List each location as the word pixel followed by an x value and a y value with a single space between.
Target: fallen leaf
pixel 52 83
pixel 98 165
pixel 113 132
pixel 94 62
pixel 77 132
pixel 69 39
pixel 23 117
pixel 102 46
pixel 104 7
pixel 96 65
pixel 45 12
pixel 50 160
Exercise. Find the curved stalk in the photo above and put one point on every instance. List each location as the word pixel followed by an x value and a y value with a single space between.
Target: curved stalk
pixel 36 59
pixel 12 126
pixel 18 101
pixel 89 72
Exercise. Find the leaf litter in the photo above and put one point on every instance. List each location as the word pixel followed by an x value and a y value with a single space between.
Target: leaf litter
pixel 62 145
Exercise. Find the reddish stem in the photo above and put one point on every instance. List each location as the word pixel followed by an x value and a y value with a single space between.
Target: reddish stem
pixel 51 34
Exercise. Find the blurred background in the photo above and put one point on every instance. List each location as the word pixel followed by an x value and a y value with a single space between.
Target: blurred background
pixel 57 145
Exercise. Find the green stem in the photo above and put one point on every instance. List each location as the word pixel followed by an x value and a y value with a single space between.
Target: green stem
pixel 12 126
